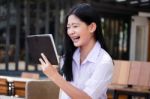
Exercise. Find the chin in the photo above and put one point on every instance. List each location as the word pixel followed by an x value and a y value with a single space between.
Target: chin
pixel 76 45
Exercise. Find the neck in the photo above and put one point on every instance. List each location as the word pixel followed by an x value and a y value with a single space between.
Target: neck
pixel 84 50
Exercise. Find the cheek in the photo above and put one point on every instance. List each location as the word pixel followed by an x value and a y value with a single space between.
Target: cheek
pixel 68 33
pixel 86 37
pixel 84 33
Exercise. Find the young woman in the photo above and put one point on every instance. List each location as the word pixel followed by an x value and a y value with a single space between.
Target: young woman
pixel 87 67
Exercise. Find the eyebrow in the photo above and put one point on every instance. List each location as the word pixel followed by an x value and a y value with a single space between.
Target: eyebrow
pixel 73 24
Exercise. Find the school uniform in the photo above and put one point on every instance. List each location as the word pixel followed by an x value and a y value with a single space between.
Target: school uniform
pixel 93 75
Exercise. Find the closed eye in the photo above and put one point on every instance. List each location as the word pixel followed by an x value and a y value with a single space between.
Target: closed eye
pixel 75 26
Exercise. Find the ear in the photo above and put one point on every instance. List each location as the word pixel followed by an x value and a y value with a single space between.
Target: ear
pixel 92 27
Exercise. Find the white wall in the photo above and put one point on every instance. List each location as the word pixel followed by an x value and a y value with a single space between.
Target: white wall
pixel 139 38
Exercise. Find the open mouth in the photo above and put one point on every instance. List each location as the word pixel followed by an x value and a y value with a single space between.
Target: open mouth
pixel 75 39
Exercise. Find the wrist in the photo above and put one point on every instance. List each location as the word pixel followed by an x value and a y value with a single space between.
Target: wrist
pixel 54 76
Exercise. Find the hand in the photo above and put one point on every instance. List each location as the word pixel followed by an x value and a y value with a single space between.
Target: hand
pixel 47 67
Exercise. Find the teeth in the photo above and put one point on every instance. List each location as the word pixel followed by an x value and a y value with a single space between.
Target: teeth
pixel 75 39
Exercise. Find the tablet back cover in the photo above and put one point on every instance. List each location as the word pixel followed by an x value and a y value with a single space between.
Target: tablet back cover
pixel 42 43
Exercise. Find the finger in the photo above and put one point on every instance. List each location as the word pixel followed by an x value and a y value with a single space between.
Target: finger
pixel 41 61
pixel 45 58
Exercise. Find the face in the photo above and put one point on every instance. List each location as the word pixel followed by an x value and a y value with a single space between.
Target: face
pixel 79 32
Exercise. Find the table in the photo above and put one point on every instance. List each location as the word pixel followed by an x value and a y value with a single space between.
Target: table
pixel 9 97
pixel 11 79
pixel 117 91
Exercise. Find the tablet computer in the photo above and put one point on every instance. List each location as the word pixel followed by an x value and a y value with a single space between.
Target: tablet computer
pixel 42 43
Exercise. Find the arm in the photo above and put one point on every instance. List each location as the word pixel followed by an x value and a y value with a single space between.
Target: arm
pixel 52 74
pixel 96 85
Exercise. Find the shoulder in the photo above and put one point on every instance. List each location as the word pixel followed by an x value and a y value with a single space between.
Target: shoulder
pixel 104 57
pixel 104 63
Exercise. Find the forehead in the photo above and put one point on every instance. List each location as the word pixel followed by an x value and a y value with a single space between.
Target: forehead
pixel 73 19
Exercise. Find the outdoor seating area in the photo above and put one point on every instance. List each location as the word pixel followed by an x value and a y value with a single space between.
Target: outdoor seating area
pixel 131 79
pixel 119 27
pixel 13 86
pixel 27 88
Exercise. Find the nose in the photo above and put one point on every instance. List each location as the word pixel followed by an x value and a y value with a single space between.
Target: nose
pixel 70 31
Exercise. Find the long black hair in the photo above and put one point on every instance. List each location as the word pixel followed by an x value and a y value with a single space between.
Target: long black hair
pixel 86 13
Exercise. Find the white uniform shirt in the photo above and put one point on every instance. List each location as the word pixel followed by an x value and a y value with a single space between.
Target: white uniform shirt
pixel 93 75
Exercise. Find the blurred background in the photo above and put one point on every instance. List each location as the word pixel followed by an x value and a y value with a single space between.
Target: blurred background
pixel 125 25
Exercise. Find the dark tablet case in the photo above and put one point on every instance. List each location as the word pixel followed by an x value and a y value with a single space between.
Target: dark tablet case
pixel 42 43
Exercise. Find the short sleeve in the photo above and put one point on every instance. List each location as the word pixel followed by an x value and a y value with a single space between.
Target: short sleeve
pixel 97 84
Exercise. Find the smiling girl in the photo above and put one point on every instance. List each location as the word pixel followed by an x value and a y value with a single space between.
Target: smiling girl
pixel 87 67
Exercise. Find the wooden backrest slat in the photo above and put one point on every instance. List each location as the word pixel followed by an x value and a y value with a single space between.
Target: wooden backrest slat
pixel 121 72
pixel 3 86
pixel 134 73
pixel 3 81
pixel 144 74
pixel 116 72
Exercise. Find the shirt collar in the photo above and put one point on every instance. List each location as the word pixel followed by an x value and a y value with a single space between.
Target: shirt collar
pixel 92 56
pixel 76 56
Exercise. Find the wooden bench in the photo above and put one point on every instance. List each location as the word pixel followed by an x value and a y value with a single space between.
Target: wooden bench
pixel 130 78
pixel 15 85
pixel 3 86
pixel 19 88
